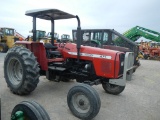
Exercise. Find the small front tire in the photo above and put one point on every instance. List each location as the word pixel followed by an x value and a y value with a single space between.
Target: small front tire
pixel 83 101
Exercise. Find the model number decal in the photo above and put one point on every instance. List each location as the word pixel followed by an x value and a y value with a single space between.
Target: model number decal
pixel 91 55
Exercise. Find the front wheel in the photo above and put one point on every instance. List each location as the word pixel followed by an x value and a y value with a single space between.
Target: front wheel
pixel 83 101
pixel 29 110
pixel 112 89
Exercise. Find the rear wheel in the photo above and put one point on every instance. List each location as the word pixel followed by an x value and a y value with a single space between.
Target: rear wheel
pixel 112 89
pixel 3 47
pixel 29 110
pixel 83 101
pixel 21 70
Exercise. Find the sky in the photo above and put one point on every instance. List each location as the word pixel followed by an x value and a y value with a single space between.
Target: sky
pixel 120 15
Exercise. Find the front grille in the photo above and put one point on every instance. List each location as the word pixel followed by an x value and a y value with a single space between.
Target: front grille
pixel 121 63
pixel 106 67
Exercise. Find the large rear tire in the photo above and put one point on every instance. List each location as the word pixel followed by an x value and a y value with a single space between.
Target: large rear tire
pixel 29 110
pixel 3 48
pixel 21 70
pixel 83 101
pixel 112 89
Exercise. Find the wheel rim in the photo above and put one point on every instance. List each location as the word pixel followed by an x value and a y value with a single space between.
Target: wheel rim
pixel 15 71
pixel 81 102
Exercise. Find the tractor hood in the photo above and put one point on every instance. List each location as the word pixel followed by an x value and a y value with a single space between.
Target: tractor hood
pixel 90 52
pixel 118 48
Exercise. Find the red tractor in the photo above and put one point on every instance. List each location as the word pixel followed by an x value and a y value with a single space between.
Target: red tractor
pixel 27 61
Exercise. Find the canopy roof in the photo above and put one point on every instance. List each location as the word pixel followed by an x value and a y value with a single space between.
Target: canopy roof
pixel 49 14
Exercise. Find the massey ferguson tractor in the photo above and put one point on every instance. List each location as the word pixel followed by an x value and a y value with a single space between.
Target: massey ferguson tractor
pixel 28 60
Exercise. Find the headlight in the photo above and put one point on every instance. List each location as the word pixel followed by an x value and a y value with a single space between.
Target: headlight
pixel 122 63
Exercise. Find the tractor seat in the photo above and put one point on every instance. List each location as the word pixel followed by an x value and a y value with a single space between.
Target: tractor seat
pixel 51 50
pixel 50 46
pixel 56 53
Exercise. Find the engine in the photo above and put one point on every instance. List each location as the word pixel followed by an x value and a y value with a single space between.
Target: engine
pixel 82 70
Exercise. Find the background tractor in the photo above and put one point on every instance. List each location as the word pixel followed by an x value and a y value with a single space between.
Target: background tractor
pixel 56 37
pixel 147 50
pixel 24 64
pixel 41 36
pixel 106 39
pixel 65 38
pixel 136 32
pixel 7 38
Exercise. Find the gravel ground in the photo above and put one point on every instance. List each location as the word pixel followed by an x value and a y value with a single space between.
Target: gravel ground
pixel 139 101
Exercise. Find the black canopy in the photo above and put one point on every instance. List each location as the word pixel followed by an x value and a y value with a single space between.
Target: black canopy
pixel 49 14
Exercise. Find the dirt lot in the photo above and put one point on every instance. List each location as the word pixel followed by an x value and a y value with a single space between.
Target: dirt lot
pixel 139 101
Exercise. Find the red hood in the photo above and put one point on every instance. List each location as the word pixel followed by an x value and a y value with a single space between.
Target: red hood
pixel 91 51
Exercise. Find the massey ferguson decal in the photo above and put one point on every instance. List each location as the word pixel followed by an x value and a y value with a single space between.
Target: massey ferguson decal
pixel 91 55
